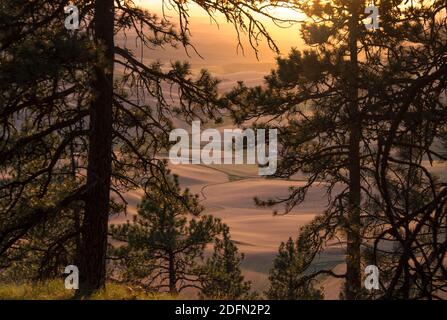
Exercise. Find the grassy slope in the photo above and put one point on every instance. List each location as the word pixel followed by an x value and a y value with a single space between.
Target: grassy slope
pixel 55 290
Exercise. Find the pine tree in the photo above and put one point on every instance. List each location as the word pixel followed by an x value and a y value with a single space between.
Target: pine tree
pixel 286 276
pixel 221 276
pixel 317 91
pixel 61 97
pixel 354 115
pixel 166 240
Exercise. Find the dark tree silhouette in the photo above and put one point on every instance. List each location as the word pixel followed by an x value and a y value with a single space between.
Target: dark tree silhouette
pixel 167 239
pixel 286 282
pixel 61 99
pixel 363 113
pixel 220 276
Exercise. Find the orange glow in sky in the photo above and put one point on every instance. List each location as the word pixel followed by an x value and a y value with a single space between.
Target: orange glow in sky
pixel 202 27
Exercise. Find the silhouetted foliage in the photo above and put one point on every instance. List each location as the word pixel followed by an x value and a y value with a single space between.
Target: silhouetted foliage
pixel 362 113
pixel 62 101
pixel 167 239
pixel 286 282
pixel 221 276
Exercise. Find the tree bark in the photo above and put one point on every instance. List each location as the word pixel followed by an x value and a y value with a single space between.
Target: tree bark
pixel 97 200
pixel 172 277
pixel 353 228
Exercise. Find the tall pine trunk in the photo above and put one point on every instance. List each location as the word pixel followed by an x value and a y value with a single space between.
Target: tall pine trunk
pixel 94 228
pixel 172 274
pixel 353 275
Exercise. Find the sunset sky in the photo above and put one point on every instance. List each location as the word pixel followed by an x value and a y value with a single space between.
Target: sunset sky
pixel 218 44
